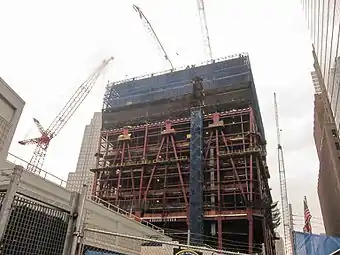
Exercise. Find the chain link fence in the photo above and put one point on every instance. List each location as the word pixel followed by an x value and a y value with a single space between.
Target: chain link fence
pixel 34 228
pixel 28 226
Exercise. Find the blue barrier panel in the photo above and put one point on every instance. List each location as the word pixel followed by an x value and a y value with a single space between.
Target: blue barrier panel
pixel 310 244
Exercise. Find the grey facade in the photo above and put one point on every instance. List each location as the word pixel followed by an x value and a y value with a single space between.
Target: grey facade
pixel 11 106
pixel 323 17
pixel 86 158
pixel 328 148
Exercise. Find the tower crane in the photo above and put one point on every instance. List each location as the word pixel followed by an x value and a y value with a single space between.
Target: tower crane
pixel 153 34
pixel 287 231
pixel 204 28
pixel 42 143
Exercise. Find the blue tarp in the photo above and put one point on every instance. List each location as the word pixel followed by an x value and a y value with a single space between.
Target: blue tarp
pixel 310 244
pixel 178 83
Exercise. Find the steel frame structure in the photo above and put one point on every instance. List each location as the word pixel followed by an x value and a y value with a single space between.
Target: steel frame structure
pixel 146 169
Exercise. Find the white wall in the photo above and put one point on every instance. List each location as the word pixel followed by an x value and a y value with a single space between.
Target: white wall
pixel 11 106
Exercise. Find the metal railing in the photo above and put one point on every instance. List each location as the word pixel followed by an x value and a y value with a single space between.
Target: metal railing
pixel 42 173
pixel 230 57
pixel 106 242
pixel 62 183
pixel 127 214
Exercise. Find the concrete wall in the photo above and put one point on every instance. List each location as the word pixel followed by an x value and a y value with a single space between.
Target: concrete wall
pixel 11 106
pixel 96 216
pixel 99 217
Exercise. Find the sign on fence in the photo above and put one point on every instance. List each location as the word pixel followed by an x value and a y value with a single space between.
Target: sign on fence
pixel 178 251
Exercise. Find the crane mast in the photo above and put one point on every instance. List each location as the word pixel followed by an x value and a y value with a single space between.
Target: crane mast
pixel 287 231
pixel 153 34
pixel 204 28
pixel 61 119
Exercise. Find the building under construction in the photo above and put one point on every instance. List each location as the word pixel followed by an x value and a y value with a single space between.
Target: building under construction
pixel 185 150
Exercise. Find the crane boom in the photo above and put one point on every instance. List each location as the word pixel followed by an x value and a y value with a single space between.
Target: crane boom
pixel 152 33
pixel 204 28
pixel 61 119
pixel 75 101
pixel 287 231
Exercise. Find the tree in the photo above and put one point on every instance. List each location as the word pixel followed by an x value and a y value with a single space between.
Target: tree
pixel 276 218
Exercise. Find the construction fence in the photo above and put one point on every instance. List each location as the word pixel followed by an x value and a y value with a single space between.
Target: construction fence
pixel 139 245
pixel 312 244
pixel 32 223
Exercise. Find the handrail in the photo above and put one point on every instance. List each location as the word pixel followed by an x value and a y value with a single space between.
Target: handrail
pixel 42 173
pixel 60 182
pixel 127 214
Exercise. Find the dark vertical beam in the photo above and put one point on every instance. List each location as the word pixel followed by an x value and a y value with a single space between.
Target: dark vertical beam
pixel 196 211
pixel 250 204
pixel 196 176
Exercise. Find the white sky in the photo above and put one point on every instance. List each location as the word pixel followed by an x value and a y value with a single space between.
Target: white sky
pixel 48 48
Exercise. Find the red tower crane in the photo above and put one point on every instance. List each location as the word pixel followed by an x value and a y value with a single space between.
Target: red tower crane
pixel 61 119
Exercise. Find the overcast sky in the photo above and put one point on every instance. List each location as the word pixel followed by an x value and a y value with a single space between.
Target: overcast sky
pixel 48 48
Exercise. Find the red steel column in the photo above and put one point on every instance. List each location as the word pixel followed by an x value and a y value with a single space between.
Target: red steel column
pixel 220 232
pixel 219 221
pixel 145 145
pixel 120 172
pixel 180 177
pixel 153 169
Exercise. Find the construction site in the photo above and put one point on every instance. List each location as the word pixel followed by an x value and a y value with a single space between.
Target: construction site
pixel 181 158
pixel 186 151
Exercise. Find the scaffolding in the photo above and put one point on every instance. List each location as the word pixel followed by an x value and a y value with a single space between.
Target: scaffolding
pixel 198 164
